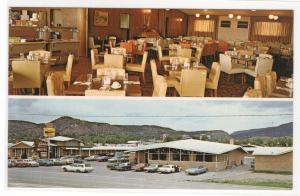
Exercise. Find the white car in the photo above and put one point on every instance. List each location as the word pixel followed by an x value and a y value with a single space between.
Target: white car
pixel 31 162
pixel 167 169
pixel 82 168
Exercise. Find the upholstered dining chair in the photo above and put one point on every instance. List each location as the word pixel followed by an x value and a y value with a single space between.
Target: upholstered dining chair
pixel 94 60
pixel 213 78
pixel 160 88
pixel 192 83
pixel 140 68
pixel 68 71
pixel 114 93
pixel 228 67
pixel 55 84
pixel 170 79
pixel 114 60
pixel 27 75
pixel 198 55
pixel 114 72
pixel 262 67
pixel 271 80
pixel 260 83
pixel 92 43
pixel 162 58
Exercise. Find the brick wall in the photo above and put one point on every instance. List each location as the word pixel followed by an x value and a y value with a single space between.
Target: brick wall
pixel 280 163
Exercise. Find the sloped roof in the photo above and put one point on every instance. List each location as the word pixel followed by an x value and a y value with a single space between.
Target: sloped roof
pixel 27 143
pixel 193 145
pixel 272 150
pixel 62 138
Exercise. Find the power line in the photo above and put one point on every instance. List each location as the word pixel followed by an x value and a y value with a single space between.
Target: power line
pixel 157 116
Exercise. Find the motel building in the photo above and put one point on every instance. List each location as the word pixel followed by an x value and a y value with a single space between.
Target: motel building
pixel 192 153
pixel 273 159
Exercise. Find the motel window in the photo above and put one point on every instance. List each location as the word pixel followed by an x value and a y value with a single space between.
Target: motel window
pixel 163 157
pixel 276 29
pixel 204 26
pixel 176 157
pixel 154 156
pixel 208 158
pixel 185 157
pixel 199 157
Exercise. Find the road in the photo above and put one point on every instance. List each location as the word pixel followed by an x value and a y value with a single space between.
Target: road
pixel 102 177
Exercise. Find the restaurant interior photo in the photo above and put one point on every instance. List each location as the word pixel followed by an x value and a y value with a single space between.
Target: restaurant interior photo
pixel 150 52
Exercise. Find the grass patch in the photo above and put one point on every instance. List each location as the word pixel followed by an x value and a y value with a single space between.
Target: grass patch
pixel 273 172
pixel 255 182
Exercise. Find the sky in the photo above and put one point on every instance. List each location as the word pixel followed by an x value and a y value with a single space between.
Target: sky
pixel 187 115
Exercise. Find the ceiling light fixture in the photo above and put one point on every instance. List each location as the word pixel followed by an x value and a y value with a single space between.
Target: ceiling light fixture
pixel 271 16
pixel 230 15
pixel 207 16
pixel 253 10
pixel 197 15
pixel 167 9
pixel 276 17
pixel 239 17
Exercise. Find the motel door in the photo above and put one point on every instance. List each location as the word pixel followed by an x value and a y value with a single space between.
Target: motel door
pixel 146 157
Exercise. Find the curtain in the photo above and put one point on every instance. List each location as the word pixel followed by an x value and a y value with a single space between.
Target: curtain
pixel 205 28
pixel 271 31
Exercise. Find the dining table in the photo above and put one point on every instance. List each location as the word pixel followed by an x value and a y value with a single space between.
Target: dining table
pixel 178 68
pixel 132 86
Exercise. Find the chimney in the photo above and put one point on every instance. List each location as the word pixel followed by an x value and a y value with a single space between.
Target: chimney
pixel 231 141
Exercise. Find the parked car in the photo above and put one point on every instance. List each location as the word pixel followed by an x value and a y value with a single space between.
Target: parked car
pixel 152 168
pixel 12 163
pixel 67 160
pixel 78 160
pixel 58 162
pixel 91 158
pixel 112 166
pixel 102 158
pixel 139 167
pixel 31 162
pixel 75 167
pixel 118 159
pixel 123 166
pixel 167 169
pixel 45 162
pixel 196 170
pixel 22 163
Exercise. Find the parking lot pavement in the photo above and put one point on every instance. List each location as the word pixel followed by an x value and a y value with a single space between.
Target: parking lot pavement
pixel 102 177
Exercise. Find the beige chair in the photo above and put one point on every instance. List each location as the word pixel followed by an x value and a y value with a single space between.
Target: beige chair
pixel 180 60
pixel 213 78
pixel 27 74
pixel 170 80
pixel 160 88
pixel 192 83
pixel 261 84
pixel 67 72
pixel 113 93
pixel 139 67
pixel 198 55
pixel 113 72
pixel 114 61
pixel 262 67
pixel 271 80
pixel 184 52
pixel 162 58
pixel 228 67
pixel 55 84
pixel 92 43
pixel 95 60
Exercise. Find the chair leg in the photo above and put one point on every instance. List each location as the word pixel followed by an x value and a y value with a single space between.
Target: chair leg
pixel 143 78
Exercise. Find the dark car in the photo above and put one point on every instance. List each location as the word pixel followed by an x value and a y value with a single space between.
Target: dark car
pixel 112 166
pixel 139 167
pixel 46 162
pixel 102 158
pixel 78 160
pixel 91 158
pixel 123 167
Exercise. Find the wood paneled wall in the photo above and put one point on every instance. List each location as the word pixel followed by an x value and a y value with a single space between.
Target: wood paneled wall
pixel 157 22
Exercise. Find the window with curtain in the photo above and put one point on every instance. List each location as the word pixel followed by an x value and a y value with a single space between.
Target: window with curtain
pixel 275 29
pixel 204 26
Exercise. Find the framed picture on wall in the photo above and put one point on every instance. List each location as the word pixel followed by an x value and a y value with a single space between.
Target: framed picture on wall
pixel 100 18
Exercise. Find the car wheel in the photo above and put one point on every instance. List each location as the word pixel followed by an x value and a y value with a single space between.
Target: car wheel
pixel 65 170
